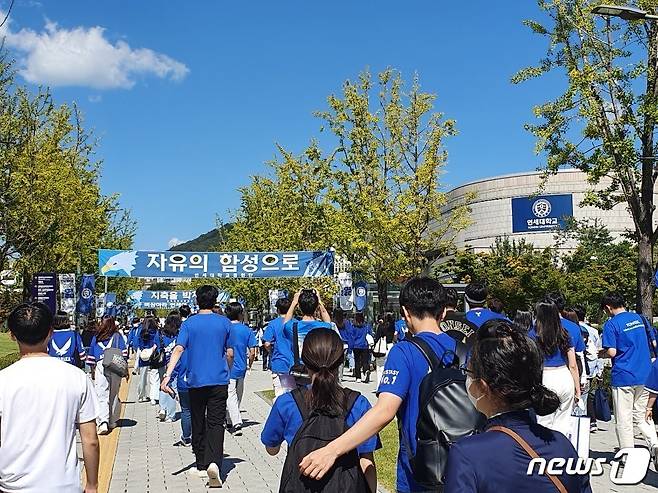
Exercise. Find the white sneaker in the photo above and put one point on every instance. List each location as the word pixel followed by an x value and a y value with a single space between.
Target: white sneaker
pixel 162 415
pixel 193 471
pixel 213 476
pixel 103 429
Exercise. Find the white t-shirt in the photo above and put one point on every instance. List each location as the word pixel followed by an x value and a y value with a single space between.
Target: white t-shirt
pixel 41 401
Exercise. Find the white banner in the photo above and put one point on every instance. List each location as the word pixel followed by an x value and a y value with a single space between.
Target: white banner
pixel 346 294
pixel 67 293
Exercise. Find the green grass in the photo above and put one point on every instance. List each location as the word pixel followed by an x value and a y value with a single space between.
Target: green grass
pixel 385 458
pixel 6 344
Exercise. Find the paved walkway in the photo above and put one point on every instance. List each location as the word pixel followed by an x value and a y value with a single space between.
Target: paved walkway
pixel 147 461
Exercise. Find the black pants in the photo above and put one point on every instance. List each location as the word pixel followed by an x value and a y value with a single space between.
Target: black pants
pixel 208 406
pixel 361 362
pixel 267 359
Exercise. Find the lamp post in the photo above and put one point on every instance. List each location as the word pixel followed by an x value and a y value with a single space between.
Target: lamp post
pixel 623 12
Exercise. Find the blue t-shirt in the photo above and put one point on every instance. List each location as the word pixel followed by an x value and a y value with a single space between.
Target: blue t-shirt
pixel 346 333
pixel 303 328
pixel 205 336
pixel 168 343
pixel 478 316
pixel 133 336
pixel 576 334
pixel 97 348
pixel 281 361
pixel 285 420
pixel 241 340
pixel 151 338
pixel 180 373
pixel 64 345
pixel 626 333
pixel 359 336
pixel 400 329
pixel 404 370
pixel 652 380
pixel 557 358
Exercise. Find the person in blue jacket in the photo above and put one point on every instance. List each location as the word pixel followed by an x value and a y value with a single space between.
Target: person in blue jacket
pixel 504 382
pixel 323 355
pixel 66 343
pixel 360 331
pixel 346 333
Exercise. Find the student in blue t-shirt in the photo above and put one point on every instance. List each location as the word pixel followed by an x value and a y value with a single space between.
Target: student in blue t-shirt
pixel 243 342
pixel 476 296
pixel 422 301
pixel 308 302
pixel 400 329
pixel 625 341
pixel 556 346
pixel 360 332
pixel 205 338
pixel 280 350
pixel 169 333
pixel 65 343
pixel 323 355
pixel 574 331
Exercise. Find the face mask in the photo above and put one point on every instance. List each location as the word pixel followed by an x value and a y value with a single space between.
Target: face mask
pixel 474 400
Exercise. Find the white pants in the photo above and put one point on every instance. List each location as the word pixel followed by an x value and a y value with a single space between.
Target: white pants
pixel 235 391
pixel 142 388
pixel 630 405
pixel 282 383
pixel 107 390
pixel 560 381
pixel 154 383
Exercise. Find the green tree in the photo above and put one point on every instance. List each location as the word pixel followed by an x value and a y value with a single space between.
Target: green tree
pixel 604 121
pixel 53 216
pixel 386 178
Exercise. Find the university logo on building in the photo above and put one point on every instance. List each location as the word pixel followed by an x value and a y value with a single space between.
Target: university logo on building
pixel 543 213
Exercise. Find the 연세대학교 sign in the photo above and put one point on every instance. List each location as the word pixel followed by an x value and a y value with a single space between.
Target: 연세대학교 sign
pixel 541 213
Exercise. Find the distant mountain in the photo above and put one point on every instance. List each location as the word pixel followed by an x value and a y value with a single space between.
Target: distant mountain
pixel 207 242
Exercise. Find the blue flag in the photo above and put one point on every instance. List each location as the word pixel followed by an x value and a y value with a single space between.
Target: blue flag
pixel 360 295
pixel 86 294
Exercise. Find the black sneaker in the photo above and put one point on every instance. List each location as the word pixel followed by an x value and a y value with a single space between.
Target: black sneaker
pixel 237 431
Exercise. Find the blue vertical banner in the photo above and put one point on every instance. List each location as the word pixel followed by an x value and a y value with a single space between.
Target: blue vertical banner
pixel 110 305
pixel 137 263
pixel 86 294
pixel 360 295
pixel 44 289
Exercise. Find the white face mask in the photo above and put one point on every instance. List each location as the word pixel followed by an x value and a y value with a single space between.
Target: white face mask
pixel 474 400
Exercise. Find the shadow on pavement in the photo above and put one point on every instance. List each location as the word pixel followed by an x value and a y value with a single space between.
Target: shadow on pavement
pixel 126 423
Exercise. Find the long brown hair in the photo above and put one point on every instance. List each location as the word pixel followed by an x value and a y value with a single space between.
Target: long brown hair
pixel 323 354
pixel 107 329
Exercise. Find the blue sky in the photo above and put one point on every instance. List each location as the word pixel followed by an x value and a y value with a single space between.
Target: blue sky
pixel 189 98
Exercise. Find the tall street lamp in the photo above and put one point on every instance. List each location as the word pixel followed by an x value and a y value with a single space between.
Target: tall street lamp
pixel 623 12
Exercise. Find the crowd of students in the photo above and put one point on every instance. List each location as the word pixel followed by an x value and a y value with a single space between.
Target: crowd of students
pixel 513 389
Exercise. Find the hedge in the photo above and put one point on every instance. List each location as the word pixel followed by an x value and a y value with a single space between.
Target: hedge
pixel 9 359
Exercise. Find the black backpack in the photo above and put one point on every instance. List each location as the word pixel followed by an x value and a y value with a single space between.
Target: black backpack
pixel 317 430
pixel 445 415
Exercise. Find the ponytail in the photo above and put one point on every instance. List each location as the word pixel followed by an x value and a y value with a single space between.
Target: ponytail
pixel 323 355
pixel 543 400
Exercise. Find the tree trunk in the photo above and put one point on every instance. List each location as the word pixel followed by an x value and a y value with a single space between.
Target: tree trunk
pixel 645 285
pixel 27 285
pixel 382 293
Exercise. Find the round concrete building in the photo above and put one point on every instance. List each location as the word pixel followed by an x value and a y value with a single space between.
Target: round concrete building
pixel 524 206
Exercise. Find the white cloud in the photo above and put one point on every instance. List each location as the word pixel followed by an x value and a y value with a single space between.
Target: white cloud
pixel 95 98
pixel 83 56
pixel 174 242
